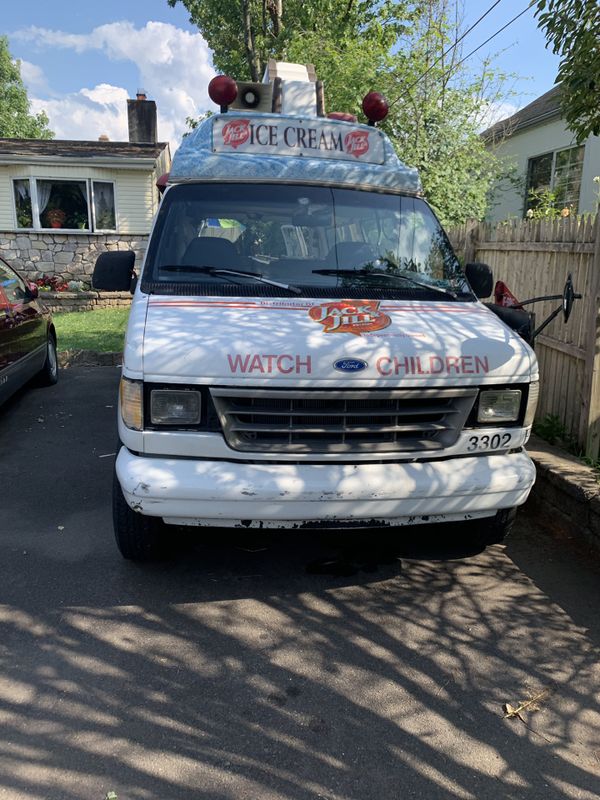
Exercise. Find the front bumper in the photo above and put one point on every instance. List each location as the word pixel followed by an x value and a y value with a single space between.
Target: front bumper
pixel 224 493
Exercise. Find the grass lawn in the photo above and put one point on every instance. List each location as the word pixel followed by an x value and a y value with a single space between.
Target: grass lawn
pixel 102 330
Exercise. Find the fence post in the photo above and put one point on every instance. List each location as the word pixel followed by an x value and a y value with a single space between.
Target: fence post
pixel 471 239
pixel 592 361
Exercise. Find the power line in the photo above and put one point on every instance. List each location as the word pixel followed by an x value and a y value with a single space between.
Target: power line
pixel 493 36
pixel 452 47
pixel 489 39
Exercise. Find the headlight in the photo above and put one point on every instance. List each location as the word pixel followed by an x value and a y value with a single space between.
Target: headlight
pixel 532 401
pixel 499 405
pixel 172 407
pixel 132 404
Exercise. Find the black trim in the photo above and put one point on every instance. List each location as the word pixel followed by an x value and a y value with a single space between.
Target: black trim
pixel 518 423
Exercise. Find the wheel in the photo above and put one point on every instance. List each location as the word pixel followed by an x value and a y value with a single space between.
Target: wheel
pixel 48 375
pixel 494 530
pixel 139 538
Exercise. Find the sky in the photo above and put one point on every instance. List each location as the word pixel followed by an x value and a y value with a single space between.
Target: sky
pixel 81 60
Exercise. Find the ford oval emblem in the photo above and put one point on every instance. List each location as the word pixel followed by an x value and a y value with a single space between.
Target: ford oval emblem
pixel 350 364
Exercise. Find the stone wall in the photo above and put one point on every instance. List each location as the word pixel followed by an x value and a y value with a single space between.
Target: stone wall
pixel 83 301
pixel 69 255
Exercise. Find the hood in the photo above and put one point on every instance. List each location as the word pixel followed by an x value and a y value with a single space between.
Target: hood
pixel 302 341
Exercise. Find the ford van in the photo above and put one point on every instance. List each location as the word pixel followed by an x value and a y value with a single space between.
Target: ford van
pixel 304 349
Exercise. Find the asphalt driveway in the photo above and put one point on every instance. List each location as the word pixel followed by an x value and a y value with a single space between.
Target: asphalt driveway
pixel 288 666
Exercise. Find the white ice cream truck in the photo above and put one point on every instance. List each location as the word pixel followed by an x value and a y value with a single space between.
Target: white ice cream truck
pixel 304 349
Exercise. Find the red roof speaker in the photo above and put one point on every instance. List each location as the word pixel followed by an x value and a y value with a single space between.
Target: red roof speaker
pixel 161 183
pixel 375 107
pixel 222 90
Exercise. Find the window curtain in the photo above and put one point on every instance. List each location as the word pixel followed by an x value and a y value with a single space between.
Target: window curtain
pixel 44 189
pixel 22 188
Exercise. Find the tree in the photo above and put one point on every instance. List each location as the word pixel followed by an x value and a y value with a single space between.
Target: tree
pixel 572 29
pixel 398 48
pixel 15 120
pixel 244 34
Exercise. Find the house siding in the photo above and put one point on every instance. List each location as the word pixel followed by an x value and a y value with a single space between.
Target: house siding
pixel 507 199
pixel 136 196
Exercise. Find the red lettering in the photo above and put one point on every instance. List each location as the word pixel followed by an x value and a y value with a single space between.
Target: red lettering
pixel 452 364
pixel 466 362
pixel 281 368
pixel 306 364
pixel 269 362
pixel 256 364
pixel 237 363
pixel 381 369
pixel 433 360
pixel 482 364
pixel 404 364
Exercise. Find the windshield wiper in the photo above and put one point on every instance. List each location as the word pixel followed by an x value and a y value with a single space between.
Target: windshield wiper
pixel 234 272
pixel 389 275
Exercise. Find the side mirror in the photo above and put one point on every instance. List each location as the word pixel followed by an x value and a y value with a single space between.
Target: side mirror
pixel 113 272
pixel 32 291
pixel 480 279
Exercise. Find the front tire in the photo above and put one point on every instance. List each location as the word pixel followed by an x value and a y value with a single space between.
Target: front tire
pixel 494 530
pixel 139 538
pixel 48 375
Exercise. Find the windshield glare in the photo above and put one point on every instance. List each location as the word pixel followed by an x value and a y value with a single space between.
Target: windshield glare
pixel 300 235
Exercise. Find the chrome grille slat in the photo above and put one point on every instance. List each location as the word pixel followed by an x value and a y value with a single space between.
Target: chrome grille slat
pixel 248 426
pixel 262 411
pixel 353 420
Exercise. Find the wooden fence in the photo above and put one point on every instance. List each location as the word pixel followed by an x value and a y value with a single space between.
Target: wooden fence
pixel 534 258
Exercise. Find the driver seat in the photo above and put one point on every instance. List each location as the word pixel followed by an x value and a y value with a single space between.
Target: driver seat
pixel 210 251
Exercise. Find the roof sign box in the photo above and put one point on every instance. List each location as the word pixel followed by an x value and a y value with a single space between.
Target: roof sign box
pixel 313 138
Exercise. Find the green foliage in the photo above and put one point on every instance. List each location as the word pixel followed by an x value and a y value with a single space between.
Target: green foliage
pixel 356 47
pixel 572 29
pixel 15 120
pixel 552 429
pixel 542 204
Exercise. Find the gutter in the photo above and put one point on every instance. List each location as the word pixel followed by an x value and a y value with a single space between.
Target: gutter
pixel 112 162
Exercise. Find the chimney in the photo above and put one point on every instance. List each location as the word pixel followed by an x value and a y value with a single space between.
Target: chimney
pixel 141 116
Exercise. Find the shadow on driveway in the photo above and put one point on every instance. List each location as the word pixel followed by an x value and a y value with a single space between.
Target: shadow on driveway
pixel 237 670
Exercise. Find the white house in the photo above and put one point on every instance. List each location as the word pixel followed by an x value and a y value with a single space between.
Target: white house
pixel 545 155
pixel 64 202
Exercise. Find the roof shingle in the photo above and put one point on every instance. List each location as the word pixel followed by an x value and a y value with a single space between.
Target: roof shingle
pixel 542 109
pixel 64 148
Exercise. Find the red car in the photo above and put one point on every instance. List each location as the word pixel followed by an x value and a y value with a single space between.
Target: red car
pixel 27 335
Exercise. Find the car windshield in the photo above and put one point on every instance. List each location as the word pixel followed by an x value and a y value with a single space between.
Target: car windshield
pixel 302 239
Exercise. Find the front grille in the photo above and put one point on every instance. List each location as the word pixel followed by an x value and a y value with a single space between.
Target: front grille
pixel 342 421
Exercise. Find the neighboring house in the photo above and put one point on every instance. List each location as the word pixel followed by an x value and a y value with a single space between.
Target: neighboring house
pixel 64 202
pixel 545 156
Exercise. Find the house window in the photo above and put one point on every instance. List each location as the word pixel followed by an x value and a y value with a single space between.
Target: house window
pixel 559 175
pixel 83 205
pixel 23 204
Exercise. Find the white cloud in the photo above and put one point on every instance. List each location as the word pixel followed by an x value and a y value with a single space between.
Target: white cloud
pixel 33 76
pixel 88 113
pixel 494 112
pixel 174 67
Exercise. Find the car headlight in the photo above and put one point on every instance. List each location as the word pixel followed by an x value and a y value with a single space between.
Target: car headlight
pixel 532 401
pixel 175 407
pixel 132 408
pixel 501 405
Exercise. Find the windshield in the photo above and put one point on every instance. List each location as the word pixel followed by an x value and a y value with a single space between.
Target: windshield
pixel 309 240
